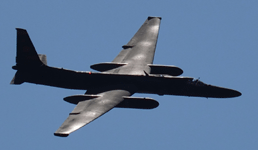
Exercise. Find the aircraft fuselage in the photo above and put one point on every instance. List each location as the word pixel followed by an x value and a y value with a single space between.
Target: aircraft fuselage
pixel 148 83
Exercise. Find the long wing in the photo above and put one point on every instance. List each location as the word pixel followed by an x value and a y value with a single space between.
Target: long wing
pixel 139 51
pixel 88 110
pixel 136 54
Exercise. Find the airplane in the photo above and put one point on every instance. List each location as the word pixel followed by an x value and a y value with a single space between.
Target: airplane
pixel 132 71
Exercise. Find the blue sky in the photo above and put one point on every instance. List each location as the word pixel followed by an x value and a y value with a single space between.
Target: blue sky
pixel 213 40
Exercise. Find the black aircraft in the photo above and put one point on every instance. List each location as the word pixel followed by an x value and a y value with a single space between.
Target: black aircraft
pixel 130 72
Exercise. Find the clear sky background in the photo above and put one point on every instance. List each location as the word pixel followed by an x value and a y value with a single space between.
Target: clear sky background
pixel 214 40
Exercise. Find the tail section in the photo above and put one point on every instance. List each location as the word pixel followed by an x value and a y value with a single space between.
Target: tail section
pixel 26 56
pixel 26 52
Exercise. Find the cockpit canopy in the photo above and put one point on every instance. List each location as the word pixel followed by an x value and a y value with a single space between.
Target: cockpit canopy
pixel 196 82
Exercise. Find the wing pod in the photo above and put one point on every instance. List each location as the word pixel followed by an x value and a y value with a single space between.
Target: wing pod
pixel 106 66
pixel 138 103
pixel 128 102
pixel 164 69
pixel 75 99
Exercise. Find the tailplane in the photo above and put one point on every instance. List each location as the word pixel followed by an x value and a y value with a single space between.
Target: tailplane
pixel 26 56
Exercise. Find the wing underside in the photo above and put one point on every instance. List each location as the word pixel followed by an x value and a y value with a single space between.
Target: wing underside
pixel 90 109
pixel 140 50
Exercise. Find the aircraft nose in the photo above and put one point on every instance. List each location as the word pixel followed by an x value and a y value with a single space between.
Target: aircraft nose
pixel 225 92
pixel 235 93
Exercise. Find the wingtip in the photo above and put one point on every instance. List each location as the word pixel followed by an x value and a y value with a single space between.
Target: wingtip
pixel 151 17
pixel 20 29
pixel 61 134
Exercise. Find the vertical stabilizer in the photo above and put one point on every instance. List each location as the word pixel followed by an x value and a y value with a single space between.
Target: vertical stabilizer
pixel 27 59
pixel 26 55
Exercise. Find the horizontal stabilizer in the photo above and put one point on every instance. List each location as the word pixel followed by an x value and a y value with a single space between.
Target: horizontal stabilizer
pixel 106 66
pixel 75 99
pixel 164 69
pixel 17 79
pixel 138 103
